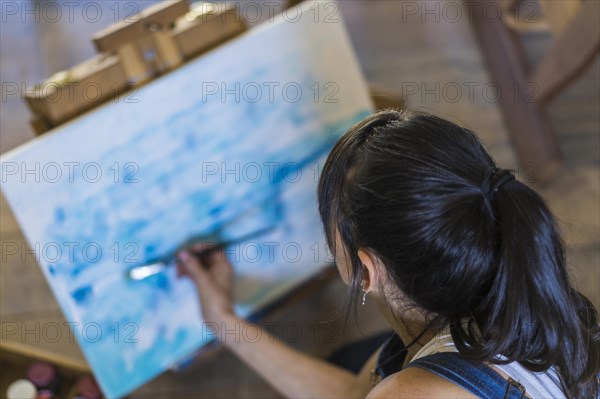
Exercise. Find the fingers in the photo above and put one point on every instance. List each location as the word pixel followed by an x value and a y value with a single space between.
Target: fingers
pixel 211 268
pixel 217 264
pixel 223 272
pixel 190 266
pixel 209 258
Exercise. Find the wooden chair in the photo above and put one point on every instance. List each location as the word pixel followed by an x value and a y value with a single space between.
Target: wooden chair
pixel 575 25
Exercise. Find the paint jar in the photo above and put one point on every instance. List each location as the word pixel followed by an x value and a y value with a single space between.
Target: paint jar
pixel 45 394
pixel 21 389
pixel 87 388
pixel 44 376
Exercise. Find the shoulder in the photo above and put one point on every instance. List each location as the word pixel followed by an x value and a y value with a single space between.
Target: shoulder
pixel 414 382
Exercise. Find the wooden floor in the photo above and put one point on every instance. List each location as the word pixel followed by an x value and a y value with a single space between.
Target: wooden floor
pixel 412 55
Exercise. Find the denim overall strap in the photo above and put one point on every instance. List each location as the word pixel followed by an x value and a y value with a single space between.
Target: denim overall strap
pixel 476 378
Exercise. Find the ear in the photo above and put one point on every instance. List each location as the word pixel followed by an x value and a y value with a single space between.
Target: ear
pixel 371 264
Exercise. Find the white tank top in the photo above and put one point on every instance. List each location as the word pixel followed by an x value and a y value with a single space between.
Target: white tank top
pixel 541 385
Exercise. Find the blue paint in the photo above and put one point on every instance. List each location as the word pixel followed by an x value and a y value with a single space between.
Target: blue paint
pixel 59 215
pixel 82 294
pixel 162 282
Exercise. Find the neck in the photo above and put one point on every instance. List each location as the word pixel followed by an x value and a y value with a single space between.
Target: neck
pixel 408 325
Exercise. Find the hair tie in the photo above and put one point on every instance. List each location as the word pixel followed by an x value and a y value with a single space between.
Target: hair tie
pixel 488 191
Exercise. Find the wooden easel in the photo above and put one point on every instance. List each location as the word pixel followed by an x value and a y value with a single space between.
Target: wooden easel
pixel 132 53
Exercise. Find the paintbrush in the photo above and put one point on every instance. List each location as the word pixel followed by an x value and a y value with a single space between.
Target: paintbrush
pixel 159 265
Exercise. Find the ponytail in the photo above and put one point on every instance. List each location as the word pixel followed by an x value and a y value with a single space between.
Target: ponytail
pixel 531 314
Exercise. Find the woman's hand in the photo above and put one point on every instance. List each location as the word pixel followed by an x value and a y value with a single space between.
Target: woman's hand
pixel 213 277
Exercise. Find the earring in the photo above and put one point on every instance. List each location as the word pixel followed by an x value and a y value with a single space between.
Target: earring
pixel 364 298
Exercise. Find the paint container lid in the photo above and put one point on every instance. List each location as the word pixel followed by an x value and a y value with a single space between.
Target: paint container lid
pixel 88 388
pixel 45 394
pixel 42 374
pixel 21 389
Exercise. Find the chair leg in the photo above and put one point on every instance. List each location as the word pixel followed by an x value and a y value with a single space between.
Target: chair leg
pixel 533 137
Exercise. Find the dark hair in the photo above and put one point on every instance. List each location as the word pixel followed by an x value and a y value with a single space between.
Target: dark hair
pixel 408 187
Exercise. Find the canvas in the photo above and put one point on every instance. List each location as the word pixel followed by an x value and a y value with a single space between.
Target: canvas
pixel 228 144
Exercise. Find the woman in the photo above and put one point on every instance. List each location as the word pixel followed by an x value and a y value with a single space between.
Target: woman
pixel 465 262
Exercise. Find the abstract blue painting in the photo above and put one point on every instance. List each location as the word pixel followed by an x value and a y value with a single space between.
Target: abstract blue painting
pixel 228 144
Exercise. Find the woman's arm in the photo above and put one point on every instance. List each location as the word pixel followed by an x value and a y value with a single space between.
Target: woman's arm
pixel 291 372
